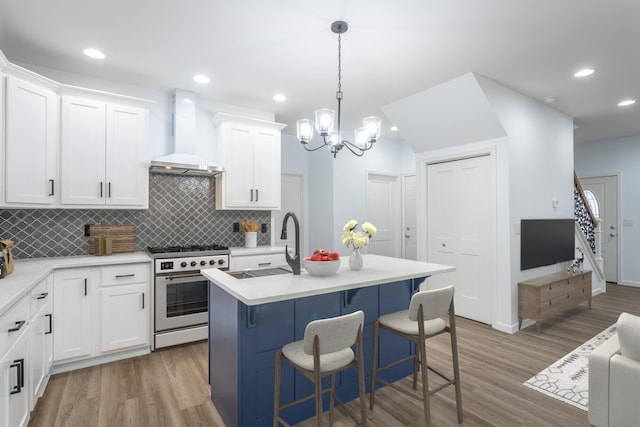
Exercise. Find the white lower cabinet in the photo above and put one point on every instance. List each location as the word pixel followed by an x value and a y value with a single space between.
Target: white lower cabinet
pixel 40 344
pixel 14 365
pixel 101 311
pixel 257 261
pixel 15 385
pixel 124 316
pixel 73 291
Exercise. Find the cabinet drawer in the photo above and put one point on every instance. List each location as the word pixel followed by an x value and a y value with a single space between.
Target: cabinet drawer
pixel 39 296
pixel 554 305
pixel 259 261
pixel 124 274
pixel 553 290
pixel 13 323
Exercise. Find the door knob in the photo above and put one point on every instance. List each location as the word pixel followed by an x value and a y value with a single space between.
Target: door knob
pixel 444 245
pixel 612 235
pixel 612 227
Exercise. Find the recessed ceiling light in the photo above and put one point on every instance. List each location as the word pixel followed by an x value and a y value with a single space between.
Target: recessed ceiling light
pixel 394 128
pixel 93 53
pixel 584 72
pixel 549 99
pixel 201 78
pixel 626 102
pixel 279 97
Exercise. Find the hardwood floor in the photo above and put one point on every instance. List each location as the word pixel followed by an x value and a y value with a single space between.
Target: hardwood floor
pixel 169 387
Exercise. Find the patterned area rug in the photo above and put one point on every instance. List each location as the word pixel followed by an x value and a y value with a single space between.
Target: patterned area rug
pixel 568 378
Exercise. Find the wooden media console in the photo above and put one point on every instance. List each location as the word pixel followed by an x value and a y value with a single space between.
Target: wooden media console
pixel 545 296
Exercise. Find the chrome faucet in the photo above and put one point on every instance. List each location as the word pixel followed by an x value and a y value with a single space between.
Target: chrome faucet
pixel 294 262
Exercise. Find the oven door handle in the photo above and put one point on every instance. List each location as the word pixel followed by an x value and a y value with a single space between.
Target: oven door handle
pixel 184 276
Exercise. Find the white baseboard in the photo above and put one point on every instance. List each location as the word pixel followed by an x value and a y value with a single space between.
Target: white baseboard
pixel 65 366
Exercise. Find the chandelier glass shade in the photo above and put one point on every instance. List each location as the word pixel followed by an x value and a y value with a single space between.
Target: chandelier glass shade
pixel 327 124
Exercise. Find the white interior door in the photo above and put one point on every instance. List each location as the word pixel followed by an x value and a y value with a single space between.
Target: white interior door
pixel 291 200
pixel 605 188
pixel 384 211
pixel 409 233
pixel 460 197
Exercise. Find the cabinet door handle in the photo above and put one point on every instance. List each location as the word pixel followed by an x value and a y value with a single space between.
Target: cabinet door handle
pixel 42 295
pixel 123 276
pixel 50 316
pixel 19 364
pixel 85 287
pixel 143 300
pixel 251 195
pixel 51 187
pixel 256 194
pixel 109 190
pixel 264 264
pixel 101 189
pixel 18 326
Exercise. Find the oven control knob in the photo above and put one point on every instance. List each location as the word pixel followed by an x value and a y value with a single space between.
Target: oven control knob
pixel 220 261
pixel 203 262
pixel 212 262
pixel 183 264
pixel 193 263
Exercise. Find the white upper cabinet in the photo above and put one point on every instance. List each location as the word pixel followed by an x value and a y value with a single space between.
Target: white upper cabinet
pixel 249 151
pixel 88 150
pixel 31 116
pixel 103 154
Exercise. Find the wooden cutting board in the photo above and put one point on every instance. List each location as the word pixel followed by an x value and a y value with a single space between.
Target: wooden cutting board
pixel 123 237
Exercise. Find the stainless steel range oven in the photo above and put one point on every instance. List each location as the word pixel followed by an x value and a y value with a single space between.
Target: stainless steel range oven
pixel 181 292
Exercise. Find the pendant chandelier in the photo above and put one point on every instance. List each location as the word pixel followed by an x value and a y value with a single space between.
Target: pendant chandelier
pixel 331 135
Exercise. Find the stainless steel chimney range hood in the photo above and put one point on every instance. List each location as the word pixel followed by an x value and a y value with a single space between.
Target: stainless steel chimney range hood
pixel 184 160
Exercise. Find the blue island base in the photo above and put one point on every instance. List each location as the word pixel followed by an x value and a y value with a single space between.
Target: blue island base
pixel 243 341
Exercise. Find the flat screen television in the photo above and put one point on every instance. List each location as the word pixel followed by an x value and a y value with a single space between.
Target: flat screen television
pixel 546 241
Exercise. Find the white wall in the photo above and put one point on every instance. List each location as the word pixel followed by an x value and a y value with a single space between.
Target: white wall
pixel 350 179
pixel 540 164
pixel 618 156
pixel 532 146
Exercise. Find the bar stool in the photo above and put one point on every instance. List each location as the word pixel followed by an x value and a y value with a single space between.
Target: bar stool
pixel 420 322
pixel 324 351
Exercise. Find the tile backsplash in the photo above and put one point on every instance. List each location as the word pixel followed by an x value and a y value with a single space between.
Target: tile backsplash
pixel 181 211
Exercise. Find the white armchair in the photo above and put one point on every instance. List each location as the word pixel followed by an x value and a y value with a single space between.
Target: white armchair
pixel 614 377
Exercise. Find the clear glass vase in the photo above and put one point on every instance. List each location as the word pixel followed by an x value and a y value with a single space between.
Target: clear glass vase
pixel 355 260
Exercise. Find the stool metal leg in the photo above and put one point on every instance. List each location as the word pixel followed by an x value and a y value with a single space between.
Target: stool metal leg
pixel 421 352
pixel 374 364
pixel 332 394
pixel 363 405
pixel 454 355
pixel 276 389
pixel 317 380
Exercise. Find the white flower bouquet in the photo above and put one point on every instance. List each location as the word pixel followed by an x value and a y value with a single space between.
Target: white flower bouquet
pixel 357 239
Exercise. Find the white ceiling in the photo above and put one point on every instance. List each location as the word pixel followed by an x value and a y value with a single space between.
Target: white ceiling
pixel 252 49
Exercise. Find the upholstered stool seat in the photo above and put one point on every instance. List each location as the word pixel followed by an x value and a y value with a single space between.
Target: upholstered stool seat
pixel 328 362
pixel 400 322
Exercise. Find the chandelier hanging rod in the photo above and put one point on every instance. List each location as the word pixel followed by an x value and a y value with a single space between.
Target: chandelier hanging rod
pixel 365 136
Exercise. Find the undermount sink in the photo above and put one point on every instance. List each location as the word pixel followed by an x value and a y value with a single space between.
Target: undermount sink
pixel 258 272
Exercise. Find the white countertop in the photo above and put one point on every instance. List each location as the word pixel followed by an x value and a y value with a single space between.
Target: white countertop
pixel 258 250
pixel 377 270
pixel 28 272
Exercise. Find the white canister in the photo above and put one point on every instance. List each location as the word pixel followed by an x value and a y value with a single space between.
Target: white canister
pixel 250 239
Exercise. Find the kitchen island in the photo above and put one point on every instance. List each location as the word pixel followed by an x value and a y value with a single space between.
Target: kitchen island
pixel 250 319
